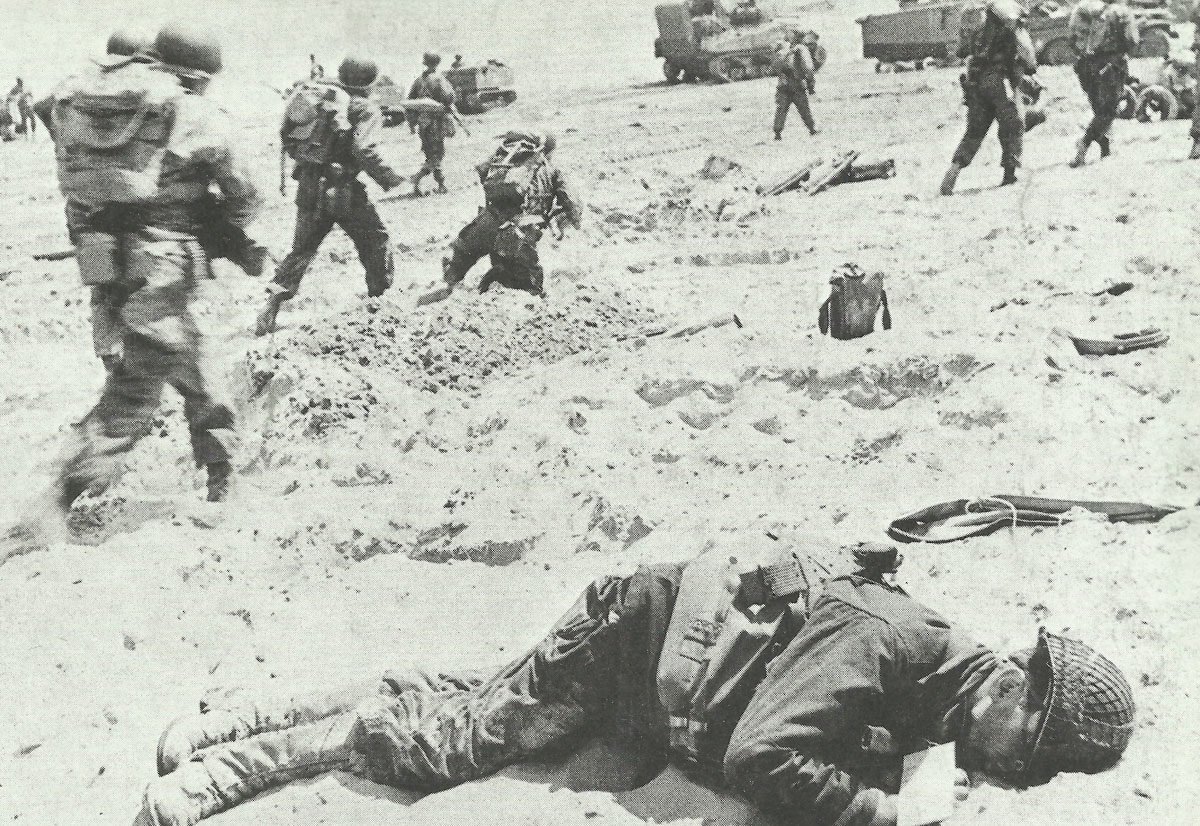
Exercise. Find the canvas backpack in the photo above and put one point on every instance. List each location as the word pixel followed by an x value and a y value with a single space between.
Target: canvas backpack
pixel 315 120
pixel 509 179
pixel 733 613
pixel 854 300
pixel 112 129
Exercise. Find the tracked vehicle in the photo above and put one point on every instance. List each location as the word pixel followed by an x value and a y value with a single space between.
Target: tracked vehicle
pixel 712 47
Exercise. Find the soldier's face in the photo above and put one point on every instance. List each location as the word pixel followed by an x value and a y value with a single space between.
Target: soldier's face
pixel 1002 723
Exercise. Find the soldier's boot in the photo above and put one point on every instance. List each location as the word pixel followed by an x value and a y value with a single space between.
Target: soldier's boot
pixel 950 179
pixel 221 777
pixel 1194 155
pixel 778 135
pixel 1010 176
pixel 1105 147
pixel 266 319
pixel 440 181
pixel 1081 148
pixel 220 476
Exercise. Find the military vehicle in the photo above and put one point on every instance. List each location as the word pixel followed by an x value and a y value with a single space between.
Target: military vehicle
pixel 480 88
pixel 700 41
pixel 476 89
pixel 928 31
pixel 1173 94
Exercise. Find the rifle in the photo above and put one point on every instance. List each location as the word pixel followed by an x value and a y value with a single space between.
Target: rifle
pixel 458 120
pixel 60 255
pixel 282 170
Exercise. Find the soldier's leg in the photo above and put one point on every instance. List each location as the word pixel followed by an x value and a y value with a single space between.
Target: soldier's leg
pixel 515 261
pixel 1195 133
pixel 805 109
pixel 362 223
pixel 1010 123
pixel 107 329
pixel 436 156
pixel 1108 87
pixel 313 223
pixel 783 102
pixel 432 739
pixel 122 416
pixel 474 241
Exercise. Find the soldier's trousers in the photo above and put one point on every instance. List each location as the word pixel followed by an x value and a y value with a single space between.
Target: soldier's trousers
pixel 512 249
pixel 1103 81
pixel 107 331
pixel 317 212
pixel 595 672
pixel 988 102
pixel 433 147
pixel 785 98
pixel 160 346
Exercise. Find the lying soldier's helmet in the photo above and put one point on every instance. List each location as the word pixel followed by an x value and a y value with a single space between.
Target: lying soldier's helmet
pixel 358 72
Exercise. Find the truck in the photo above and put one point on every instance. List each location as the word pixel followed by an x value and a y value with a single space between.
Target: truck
pixel 698 40
pixel 928 31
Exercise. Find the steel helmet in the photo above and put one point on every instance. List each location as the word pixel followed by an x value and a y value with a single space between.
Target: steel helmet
pixel 431 60
pixel 549 142
pixel 189 50
pixel 357 72
pixel 127 43
pixel 1088 709
pixel 1008 12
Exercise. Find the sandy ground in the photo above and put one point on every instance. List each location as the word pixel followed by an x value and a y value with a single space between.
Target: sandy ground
pixel 434 485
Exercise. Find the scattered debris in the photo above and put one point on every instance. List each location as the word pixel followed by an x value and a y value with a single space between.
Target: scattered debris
pixel 1120 343
pixel 60 255
pixel 817 176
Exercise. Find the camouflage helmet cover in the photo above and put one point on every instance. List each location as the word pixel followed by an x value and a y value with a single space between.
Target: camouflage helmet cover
pixel 1089 709
pixel 357 72
pixel 189 50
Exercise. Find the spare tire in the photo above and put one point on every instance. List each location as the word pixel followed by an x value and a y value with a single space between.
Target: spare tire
pixel 1156 103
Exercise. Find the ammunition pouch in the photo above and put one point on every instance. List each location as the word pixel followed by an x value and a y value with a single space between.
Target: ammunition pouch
pixel 98 255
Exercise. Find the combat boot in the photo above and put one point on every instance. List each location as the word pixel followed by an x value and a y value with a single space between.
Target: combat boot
pixel 220 475
pixel 1195 153
pixel 223 776
pixel 266 319
pixel 1080 158
pixel 1010 176
pixel 950 179
pixel 1105 147
pixel 778 136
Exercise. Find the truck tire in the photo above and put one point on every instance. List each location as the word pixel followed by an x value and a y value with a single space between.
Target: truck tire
pixel 671 71
pixel 1157 103
pixel 1154 43
pixel 1057 52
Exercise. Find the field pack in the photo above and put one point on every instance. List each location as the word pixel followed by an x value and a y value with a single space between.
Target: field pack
pixel 316 117
pixel 733 613
pixel 854 300
pixel 112 130
pixel 511 171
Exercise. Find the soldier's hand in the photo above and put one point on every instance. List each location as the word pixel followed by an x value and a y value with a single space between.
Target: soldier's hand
pixel 962 786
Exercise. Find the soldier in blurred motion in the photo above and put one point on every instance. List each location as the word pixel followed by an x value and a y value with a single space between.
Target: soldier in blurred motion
pixel 797 80
pixel 431 126
pixel 1105 34
pixel 525 194
pixel 138 208
pixel 1000 54
pixel 332 131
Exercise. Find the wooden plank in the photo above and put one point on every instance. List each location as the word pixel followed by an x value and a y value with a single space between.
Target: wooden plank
pixel 829 176
pixel 793 180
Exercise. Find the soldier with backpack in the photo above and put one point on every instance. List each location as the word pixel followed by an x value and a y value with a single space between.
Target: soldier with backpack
pixel 524 195
pixel 803 689
pixel 433 127
pixel 1000 54
pixel 138 150
pixel 332 131
pixel 797 74
pixel 1105 34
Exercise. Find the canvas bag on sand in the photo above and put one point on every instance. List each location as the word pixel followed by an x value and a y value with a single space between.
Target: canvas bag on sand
pixel 854 300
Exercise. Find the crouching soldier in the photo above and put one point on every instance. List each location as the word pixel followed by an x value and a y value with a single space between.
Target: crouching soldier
pixel 1105 34
pixel 138 151
pixel 999 54
pixel 810 699
pixel 332 131
pixel 524 195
